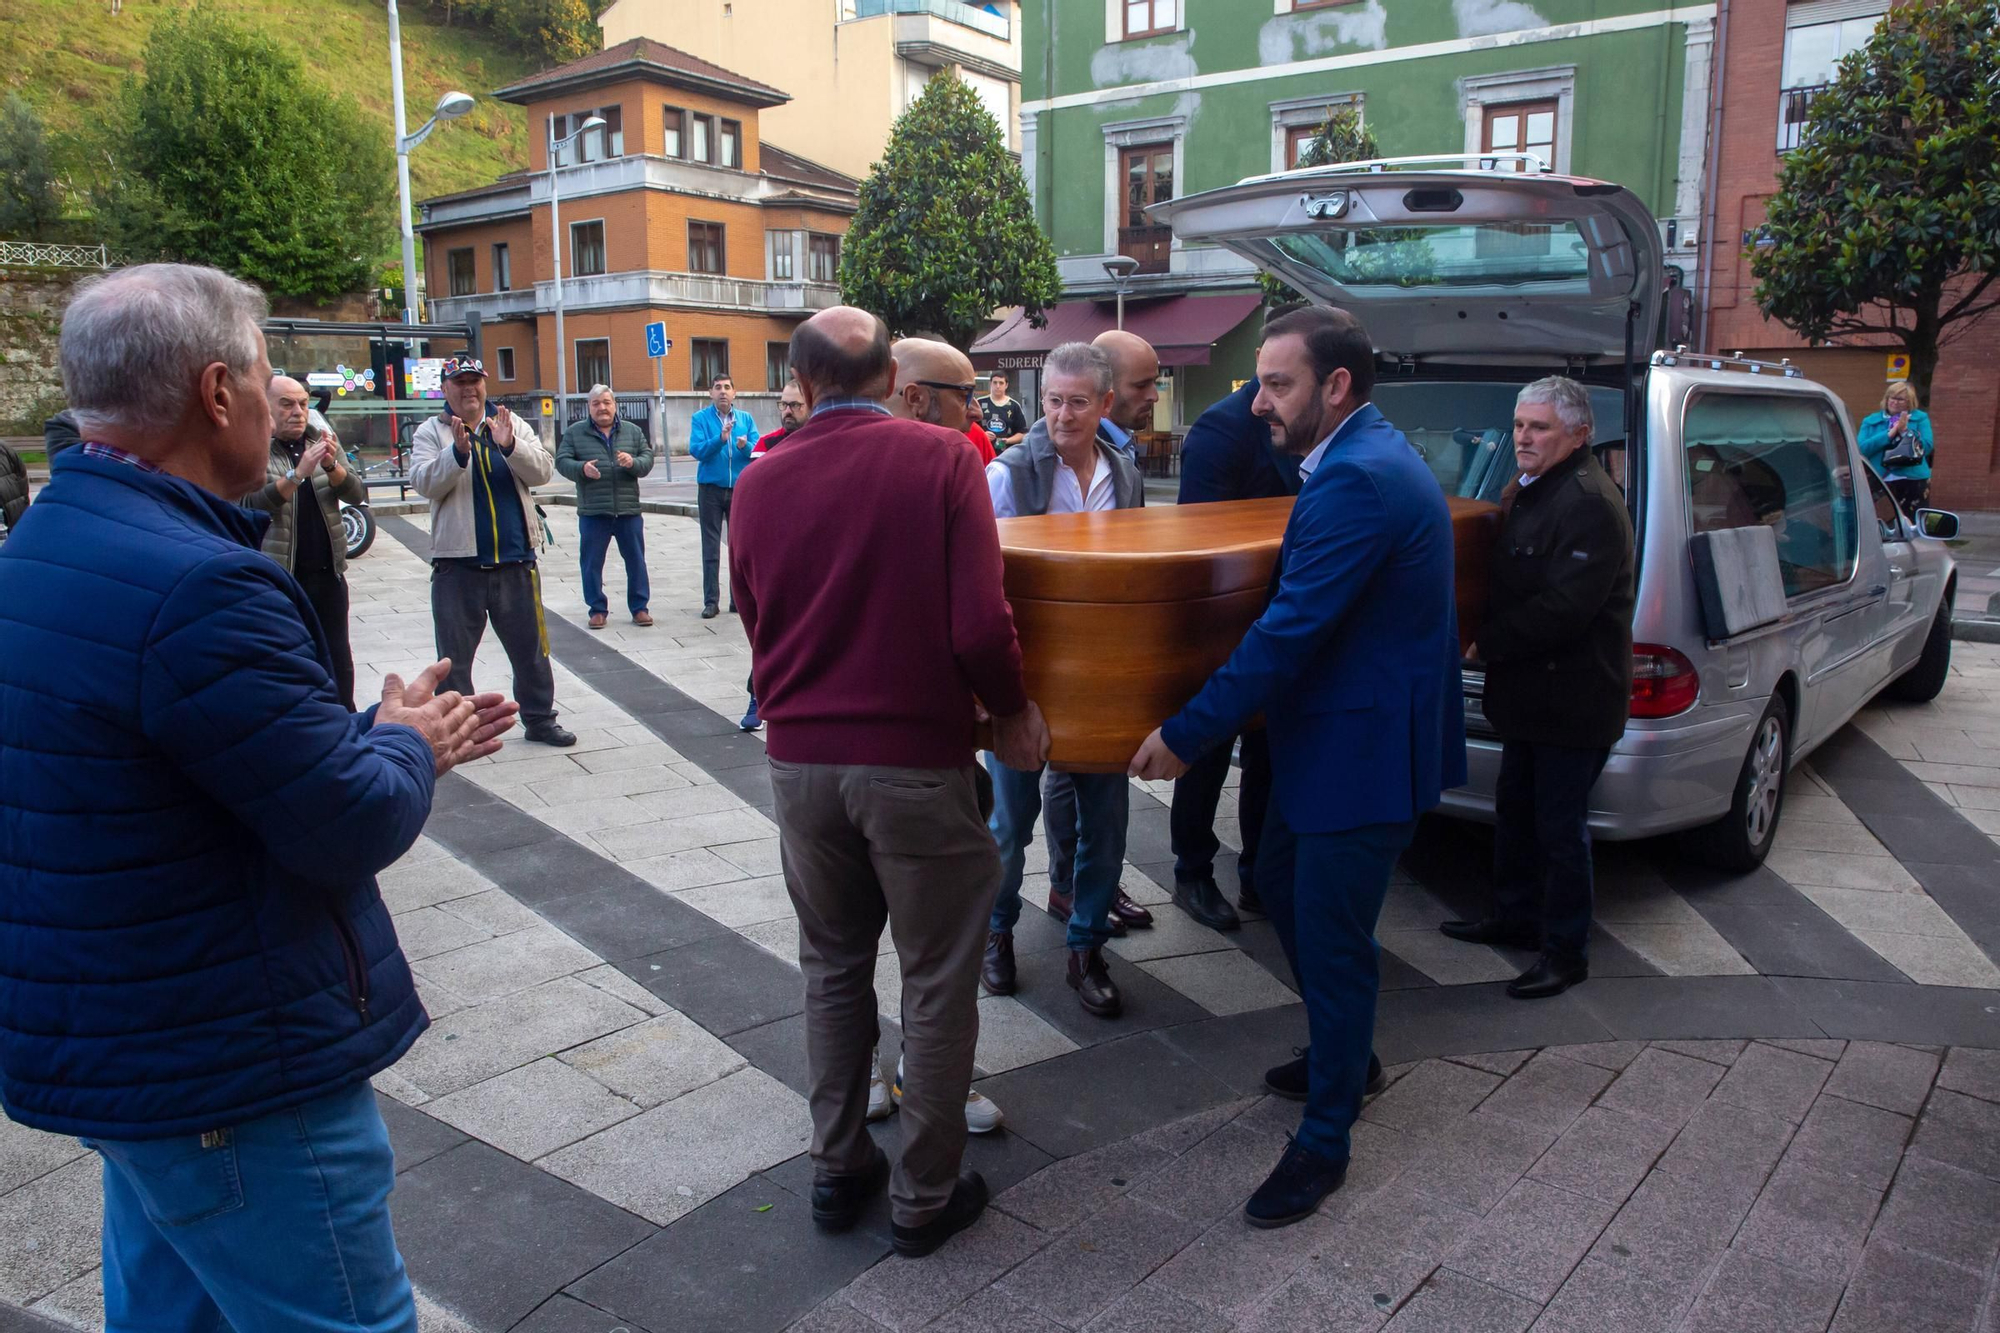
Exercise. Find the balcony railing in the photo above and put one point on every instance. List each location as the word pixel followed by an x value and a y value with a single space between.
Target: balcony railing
pixel 952 11
pixel 1793 103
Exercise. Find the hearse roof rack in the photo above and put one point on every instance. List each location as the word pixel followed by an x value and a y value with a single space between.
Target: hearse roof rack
pixel 1530 163
pixel 1736 361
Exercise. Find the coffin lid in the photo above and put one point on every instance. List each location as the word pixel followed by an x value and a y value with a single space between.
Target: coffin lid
pixel 1170 553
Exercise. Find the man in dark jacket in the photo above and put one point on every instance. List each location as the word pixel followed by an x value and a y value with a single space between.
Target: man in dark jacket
pixel 1557 643
pixel 197 973
pixel 1228 455
pixel 13 490
pixel 605 455
pixel 307 479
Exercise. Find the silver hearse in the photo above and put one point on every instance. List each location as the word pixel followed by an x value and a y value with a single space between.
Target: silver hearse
pixel 1779 587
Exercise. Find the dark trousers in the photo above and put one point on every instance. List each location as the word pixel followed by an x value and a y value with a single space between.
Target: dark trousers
pixel 1541 841
pixel 1059 823
pixel 1199 792
pixel 1324 892
pixel 595 533
pixel 1911 493
pixel 327 591
pixel 464 597
pixel 712 503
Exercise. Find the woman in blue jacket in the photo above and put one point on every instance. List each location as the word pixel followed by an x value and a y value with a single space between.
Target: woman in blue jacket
pixel 1901 429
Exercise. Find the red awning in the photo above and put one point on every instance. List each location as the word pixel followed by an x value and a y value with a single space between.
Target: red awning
pixel 1182 329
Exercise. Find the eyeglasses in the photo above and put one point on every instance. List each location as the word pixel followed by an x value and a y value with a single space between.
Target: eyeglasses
pixel 968 391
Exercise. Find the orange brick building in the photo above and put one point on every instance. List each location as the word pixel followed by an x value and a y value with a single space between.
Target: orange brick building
pixel 676 211
pixel 1774 56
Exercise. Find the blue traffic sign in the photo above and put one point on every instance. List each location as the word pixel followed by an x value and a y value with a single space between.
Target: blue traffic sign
pixel 657 342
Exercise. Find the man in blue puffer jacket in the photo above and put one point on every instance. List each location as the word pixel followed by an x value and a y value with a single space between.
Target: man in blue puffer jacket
pixel 197 973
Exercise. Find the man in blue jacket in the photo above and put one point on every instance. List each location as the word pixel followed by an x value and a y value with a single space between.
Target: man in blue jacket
pixel 720 439
pixel 197 973
pixel 1356 665
pixel 1228 455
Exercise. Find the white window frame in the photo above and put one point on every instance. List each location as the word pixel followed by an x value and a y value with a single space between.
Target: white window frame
pixel 1557 84
pixel 503 362
pixel 1124 134
pixel 1294 112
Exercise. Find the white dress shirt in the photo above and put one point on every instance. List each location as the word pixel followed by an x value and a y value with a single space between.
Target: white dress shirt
pixel 1311 460
pixel 1068 497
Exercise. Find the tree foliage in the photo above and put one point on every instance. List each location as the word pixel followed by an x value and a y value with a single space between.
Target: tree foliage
pixel 30 209
pixel 946 232
pixel 1887 217
pixel 555 31
pixel 227 153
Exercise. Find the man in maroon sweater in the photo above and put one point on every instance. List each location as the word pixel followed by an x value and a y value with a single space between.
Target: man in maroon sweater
pixel 867 570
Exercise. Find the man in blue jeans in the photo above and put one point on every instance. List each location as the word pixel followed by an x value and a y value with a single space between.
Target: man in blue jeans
pixel 719 440
pixel 197 973
pixel 1355 664
pixel 1063 467
pixel 605 455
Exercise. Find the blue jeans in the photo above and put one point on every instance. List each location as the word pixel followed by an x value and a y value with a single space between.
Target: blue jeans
pixel 1102 800
pixel 595 533
pixel 278 1224
pixel 1324 892
pixel 1542 878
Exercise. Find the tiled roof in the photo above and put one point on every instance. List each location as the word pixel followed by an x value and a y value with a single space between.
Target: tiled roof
pixel 642 53
pixel 790 166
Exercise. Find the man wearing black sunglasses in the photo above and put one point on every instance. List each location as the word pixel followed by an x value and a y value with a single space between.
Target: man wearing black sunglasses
pixel 935 385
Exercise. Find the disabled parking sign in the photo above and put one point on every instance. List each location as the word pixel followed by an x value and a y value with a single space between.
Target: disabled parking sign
pixel 657 341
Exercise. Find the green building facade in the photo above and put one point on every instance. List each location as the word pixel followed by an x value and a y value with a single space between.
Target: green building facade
pixel 1125 102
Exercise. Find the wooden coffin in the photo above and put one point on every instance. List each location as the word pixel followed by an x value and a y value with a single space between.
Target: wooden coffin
pixel 1123 615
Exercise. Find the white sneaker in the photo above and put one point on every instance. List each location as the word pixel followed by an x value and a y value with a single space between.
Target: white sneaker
pixel 981 1115
pixel 879 1104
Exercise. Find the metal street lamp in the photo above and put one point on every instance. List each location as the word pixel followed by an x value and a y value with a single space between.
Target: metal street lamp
pixel 449 107
pixel 1121 268
pixel 556 246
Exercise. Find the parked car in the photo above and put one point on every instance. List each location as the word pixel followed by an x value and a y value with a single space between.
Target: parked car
pixel 1474 282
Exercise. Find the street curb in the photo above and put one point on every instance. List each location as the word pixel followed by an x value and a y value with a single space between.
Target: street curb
pixel 1976 631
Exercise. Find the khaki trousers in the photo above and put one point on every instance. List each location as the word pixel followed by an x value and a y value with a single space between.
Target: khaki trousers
pixel 908 847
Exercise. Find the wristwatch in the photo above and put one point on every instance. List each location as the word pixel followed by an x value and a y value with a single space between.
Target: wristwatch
pixel 292 475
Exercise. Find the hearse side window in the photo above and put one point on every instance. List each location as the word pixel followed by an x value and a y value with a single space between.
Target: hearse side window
pixel 1465 429
pixel 1779 460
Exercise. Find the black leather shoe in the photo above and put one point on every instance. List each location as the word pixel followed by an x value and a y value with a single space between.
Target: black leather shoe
pixel 1289 1080
pixel 1295 1188
pixel 1550 975
pixel 1128 913
pixel 996 970
pixel 837 1200
pixel 1091 980
pixel 1248 901
pixel 1492 930
pixel 709 613
pixel 968 1201
pixel 1200 899
pixel 550 733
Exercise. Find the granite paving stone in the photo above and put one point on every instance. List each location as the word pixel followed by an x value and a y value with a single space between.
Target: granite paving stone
pixel 1662 1086
pixel 495 912
pixel 49 1230
pixel 628 918
pixel 1091 1265
pixel 906 1295
pixel 531 1111
pixel 1811 1221
pixel 1825 1049
pixel 1234 1266
pixel 1502 1063
pixel 1302 1305
pixel 1550 1091
pixel 566 1314
pixel 1960 1131
pixel 1728 1148
pixel 1529 1243
pixel 1099 1095
pixel 1894 1078
pixel 1896 1291
pixel 1601 1297
pixel 1475 1161
pixel 1603 1155
pixel 1671 1232
pixel 1434 1094
pixel 1715 1052
pixel 1612 1055
pixel 672 1159
pixel 1774 1081
pixel 724 982
pixel 1213 1177
pixel 477 1043
pixel 655 1061
pixel 1065 1192
pixel 1943 1212
pixel 1974 1072
pixel 507 963
pixel 1851 1140
pixel 1753 1293
pixel 1449 1302
pixel 26 1154
pixel 992 1311
pixel 1148 1309
pixel 414 1137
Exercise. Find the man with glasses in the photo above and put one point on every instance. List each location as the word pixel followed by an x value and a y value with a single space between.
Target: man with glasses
pixel 1063 467
pixel 935 385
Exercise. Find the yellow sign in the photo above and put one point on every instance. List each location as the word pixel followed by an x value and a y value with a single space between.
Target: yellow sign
pixel 548 407
pixel 1899 366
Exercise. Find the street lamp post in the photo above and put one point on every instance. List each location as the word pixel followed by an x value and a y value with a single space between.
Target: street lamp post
pixel 449 107
pixel 1121 268
pixel 556 249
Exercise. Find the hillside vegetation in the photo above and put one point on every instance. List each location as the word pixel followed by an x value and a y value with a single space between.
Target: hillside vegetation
pixel 72 58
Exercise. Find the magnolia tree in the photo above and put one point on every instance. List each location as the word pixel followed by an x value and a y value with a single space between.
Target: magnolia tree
pixel 946 232
pixel 1887 216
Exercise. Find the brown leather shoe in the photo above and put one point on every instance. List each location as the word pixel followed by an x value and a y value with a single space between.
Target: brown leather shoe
pixel 643 618
pixel 1125 910
pixel 1061 905
pixel 597 620
pixel 996 970
pixel 1091 980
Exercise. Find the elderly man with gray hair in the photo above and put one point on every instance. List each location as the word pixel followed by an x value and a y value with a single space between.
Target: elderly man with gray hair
pixel 198 975
pixel 605 455
pixel 1063 467
pixel 1557 646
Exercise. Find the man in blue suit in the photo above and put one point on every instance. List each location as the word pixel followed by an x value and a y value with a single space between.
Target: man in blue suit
pixel 1356 665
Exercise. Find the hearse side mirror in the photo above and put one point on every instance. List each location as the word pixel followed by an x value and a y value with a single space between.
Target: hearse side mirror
pixel 1940 525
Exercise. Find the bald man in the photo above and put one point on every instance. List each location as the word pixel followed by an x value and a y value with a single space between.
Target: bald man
pixel 308 478
pixel 1135 388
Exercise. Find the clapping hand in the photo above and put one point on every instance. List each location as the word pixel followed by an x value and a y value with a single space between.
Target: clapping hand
pixel 624 459
pixel 590 470
pixel 461 438
pixel 503 430
pixel 458 729
pixel 1155 762
pixel 314 456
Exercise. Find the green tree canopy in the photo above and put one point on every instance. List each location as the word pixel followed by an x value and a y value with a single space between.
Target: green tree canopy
pixel 556 31
pixel 946 232
pixel 29 206
pixel 1887 216
pixel 228 153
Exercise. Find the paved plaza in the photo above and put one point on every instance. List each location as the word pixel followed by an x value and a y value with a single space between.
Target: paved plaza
pixel 1775 1105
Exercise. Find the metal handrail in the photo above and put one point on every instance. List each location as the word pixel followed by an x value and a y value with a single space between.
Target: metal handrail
pixel 1421 162
pixel 45 254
